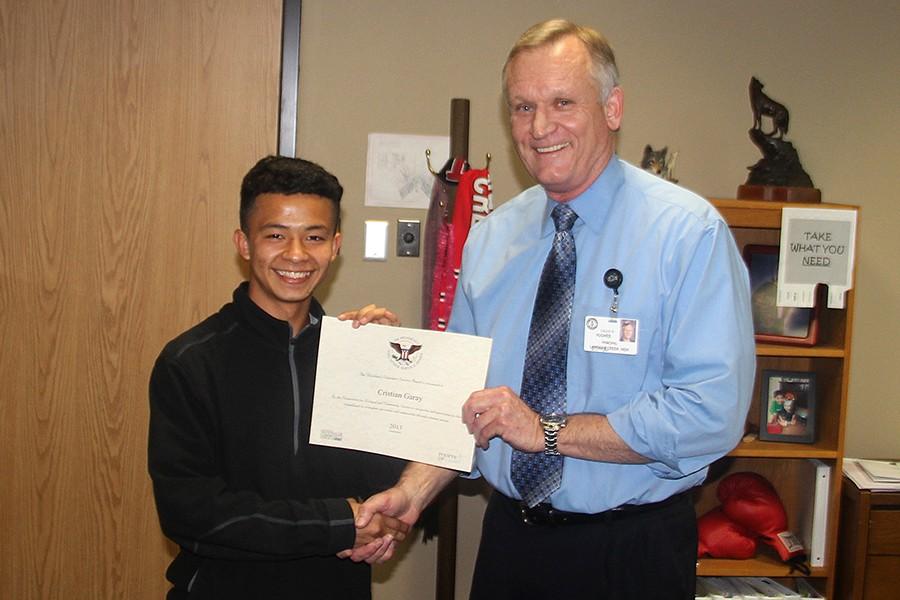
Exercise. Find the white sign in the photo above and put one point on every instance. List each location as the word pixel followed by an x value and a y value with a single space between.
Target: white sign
pixel 817 246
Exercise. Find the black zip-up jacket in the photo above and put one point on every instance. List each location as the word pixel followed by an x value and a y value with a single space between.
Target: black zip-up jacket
pixel 256 510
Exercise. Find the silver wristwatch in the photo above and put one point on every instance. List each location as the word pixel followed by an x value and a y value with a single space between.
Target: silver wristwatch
pixel 552 423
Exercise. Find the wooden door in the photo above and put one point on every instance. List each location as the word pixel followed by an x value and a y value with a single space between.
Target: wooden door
pixel 125 128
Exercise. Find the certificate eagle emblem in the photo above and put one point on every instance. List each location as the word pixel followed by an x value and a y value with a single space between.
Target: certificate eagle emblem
pixel 404 352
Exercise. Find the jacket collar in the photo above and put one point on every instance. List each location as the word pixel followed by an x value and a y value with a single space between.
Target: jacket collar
pixel 270 328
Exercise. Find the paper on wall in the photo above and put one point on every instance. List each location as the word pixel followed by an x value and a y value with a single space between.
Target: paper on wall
pixel 397 174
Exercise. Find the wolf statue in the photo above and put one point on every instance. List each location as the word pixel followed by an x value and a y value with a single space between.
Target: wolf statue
pixel 659 163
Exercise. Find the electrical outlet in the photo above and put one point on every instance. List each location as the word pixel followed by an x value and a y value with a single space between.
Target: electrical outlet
pixel 408 237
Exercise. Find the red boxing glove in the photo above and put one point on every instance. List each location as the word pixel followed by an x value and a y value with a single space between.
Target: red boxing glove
pixel 750 501
pixel 720 537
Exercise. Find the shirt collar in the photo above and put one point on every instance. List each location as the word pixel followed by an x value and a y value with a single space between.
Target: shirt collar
pixel 593 204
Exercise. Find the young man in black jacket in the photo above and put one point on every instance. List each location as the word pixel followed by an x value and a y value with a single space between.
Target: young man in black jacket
pixel 256 510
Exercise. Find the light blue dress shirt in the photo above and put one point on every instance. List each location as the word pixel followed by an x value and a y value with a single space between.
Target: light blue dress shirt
pixel 683 398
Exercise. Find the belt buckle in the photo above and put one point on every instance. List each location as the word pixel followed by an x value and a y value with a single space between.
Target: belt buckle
pixel 526 514
pixel 523 512
pixel 540 514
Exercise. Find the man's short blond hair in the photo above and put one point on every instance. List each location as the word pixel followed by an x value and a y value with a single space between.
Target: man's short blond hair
pixel 603 60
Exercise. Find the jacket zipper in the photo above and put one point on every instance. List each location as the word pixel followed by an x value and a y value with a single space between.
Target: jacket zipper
pixel 295 384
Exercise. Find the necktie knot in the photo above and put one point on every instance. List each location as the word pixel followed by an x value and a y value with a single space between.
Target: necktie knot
pixel 563 217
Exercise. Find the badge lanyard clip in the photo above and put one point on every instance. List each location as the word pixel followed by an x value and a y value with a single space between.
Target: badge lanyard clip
pixel 613 280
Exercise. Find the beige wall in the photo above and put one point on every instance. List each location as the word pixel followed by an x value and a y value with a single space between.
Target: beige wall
pixel 392 66
pixel 125 127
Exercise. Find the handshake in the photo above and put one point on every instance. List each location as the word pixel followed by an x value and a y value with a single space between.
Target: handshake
pixel 385 518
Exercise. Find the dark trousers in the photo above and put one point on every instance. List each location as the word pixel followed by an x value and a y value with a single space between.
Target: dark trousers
pixel 646 555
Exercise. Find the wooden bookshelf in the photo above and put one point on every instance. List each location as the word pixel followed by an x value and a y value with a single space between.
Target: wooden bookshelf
pixel 786 464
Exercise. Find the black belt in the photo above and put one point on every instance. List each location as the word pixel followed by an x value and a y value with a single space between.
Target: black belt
pixel 544 514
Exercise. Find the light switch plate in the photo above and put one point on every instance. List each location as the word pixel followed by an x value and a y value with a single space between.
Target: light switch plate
pixel 376 240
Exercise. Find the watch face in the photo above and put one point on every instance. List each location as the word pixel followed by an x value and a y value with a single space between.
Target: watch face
pixel 553 419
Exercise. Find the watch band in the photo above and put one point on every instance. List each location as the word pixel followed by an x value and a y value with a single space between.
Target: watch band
pixel 552 424
pixel 550 435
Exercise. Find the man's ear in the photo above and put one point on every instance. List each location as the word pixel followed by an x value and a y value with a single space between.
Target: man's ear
pixel 613 108
pixel 241 244
pixel 336 242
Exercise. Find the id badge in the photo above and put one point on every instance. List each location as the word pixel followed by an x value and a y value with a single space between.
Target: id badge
pixel 610 335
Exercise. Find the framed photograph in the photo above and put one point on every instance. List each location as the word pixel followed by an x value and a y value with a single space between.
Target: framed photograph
pixel 771 323
pixel 787 401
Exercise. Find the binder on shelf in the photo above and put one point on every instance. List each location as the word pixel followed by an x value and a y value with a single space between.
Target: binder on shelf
pixel 720 588
pixel 701 592
pixel 746 590
pixel 806 590
pixel 770 588
pixel 812 518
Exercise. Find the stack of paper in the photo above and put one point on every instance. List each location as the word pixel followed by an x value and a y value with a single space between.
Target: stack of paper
pixel 752 588
pixel 875 475
pixel 882 471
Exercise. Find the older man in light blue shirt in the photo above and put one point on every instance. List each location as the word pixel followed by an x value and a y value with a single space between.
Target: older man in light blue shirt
pixel 642 420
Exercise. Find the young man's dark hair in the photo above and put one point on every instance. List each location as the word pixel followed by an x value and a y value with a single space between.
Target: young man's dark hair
pixel 288 176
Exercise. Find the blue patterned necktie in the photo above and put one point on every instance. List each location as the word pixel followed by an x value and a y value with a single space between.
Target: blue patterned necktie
pixel 538 475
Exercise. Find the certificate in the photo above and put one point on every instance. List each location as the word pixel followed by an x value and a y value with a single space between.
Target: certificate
pixel 397 391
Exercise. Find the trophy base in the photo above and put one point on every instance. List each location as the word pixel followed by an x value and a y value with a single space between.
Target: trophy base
pixel 778 193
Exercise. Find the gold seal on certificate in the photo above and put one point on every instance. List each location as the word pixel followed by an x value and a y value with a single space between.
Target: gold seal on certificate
pixel 397 391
